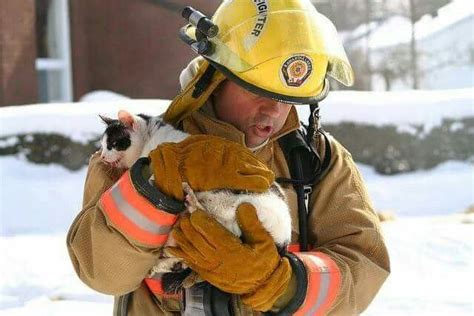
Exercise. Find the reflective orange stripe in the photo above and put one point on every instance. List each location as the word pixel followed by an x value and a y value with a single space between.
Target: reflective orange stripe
pixel 314 283
pixel 135 216
pixel 295 247
pixel 324 282
pixel 143 205
pixel 156 287
pixel 128 227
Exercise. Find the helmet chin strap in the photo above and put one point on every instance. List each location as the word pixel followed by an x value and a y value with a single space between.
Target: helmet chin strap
pixel 314 124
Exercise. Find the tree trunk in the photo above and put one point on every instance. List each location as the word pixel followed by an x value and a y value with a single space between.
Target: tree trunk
pixel 367 51
pixel 414 57
pixel 388 85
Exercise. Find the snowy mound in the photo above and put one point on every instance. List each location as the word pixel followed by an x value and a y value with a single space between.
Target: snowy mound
pixel 403 109
pixel 79 121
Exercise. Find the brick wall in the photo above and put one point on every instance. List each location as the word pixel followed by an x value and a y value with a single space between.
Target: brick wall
pixel 129 46
pixel 18 80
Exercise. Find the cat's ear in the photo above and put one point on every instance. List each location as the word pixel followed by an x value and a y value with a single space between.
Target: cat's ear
pixel 106 120
pixel 126 118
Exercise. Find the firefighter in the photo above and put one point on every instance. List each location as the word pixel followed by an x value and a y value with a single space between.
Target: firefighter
pixel 268 57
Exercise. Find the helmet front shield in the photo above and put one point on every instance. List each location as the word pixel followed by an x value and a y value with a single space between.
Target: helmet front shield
pixel 276 36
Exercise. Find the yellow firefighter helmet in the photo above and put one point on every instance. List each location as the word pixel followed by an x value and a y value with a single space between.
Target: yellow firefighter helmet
pixel 281 49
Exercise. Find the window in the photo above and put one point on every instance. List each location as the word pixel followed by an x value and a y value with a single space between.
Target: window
pixel 53 62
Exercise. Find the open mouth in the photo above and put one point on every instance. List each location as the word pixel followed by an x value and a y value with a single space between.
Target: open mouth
pixel 114 163
pixel 263 130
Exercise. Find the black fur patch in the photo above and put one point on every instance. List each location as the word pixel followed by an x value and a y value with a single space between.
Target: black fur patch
pixel 159 123
pixel 172 282
pixel 118 136
pixel 145 117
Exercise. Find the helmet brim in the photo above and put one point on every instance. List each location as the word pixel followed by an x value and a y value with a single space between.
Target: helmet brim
pixel 265 93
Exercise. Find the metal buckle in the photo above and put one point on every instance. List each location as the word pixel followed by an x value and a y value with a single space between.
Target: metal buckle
pixel 308 189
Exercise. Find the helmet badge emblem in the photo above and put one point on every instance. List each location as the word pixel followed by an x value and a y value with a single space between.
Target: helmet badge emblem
pixel 295 70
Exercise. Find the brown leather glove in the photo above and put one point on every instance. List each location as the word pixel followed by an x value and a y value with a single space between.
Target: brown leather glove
pixel 207 163
pixel 252 267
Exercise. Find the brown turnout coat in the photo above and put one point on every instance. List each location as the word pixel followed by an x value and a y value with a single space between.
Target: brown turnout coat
pixel 341 219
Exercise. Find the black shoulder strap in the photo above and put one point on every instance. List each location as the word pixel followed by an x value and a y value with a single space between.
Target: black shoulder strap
pixel 306 170
pixel 313 166
pixel 204 81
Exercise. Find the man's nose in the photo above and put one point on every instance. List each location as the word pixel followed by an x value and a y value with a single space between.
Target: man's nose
pixel 271 108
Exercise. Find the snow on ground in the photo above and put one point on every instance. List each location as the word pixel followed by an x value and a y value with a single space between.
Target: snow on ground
pixel 38 279
pixel 432 257
pixel 430 243
pixel 446 189
pixel 432 261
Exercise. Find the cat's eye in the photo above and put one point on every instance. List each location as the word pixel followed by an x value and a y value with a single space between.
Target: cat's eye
pixel 122 144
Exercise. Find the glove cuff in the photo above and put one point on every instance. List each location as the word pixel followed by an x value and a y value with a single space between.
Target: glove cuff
pixel 318 283
pixel 299 271
pixel 268 293
pixel 138 210
pixel 139 174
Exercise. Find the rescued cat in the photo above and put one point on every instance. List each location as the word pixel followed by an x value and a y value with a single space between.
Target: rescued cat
pixel 133 136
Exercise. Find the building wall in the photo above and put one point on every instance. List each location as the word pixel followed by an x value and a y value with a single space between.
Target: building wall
pixel 18 80
pixel 129 46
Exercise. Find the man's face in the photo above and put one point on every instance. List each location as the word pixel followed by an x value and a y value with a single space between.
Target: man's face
pixel 257 117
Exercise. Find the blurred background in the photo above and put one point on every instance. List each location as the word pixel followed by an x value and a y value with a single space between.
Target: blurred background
pixel 408 122
pixel 58 50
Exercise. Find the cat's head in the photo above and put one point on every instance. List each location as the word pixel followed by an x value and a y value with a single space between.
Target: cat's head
pixel 123 139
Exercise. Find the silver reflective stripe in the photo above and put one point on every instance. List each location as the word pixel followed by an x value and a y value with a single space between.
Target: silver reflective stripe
pixel 156 276
pixel 324 285
pixel 121 305
pixel 322 294
pixel 194 301
pixel 135 216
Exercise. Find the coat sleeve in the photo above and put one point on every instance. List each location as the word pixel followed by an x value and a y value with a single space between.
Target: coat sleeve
pixel 106 255
pixel 349 250
pixel 348 262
